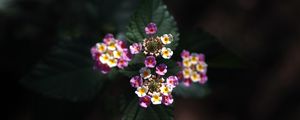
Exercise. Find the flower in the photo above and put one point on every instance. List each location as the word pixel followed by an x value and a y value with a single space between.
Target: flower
pixel 152 86
pixel 195 77
pixel 166 53
pixel 165 89
pixel 161 69
pixel 108 38
pixel 167 99
pixel 145 72
pixel 110 53
pixel 141 91
pixel 185 54
pixel 122 63
pixel 135 48
pixel 104 58
pixel 156 98
pixel 193 68
pixel 150 62
pixel 172 81
pixel 101 47
pixel 166 39
pixel 145 101
pixel 151 29
pixel 136 81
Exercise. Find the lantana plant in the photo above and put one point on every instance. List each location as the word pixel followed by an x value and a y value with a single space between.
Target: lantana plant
pixel 153 86
pixel 110 53
pixel 193 68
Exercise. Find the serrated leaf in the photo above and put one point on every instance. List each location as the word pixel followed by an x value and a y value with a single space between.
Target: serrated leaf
pixel 154 112
pixel 152 11
pixel 66 72
pixel 195 90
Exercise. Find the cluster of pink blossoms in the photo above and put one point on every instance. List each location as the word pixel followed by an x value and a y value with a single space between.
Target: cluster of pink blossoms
pixel 152 87
pixel 154 45
pixel 110 53
pixel 193 68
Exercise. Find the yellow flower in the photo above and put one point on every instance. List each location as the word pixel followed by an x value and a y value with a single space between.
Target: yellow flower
pixel 156 98
pixel 186 62
pixel 201 67
pixel 112 62
pixel 187 72
pixel 141 91
pixel 117 54
pixel 195 77
pixel 101 47
pixel 166 39
pixel 104 58
pixel 112 46
pixel 166 53
pixel 166 89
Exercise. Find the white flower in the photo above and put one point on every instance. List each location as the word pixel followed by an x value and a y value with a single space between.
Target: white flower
pixel 112 62
pixel 145 72
pixel 186 62
pixel 112 46
pixel 166 89
pixel 166 39
pixel 117 54
pixel 187 72
pixel 166 53
pixel 104 58
pixel 156 98
pixel 201 67
pixel 101 47
pixel 141 91
pixel 195 77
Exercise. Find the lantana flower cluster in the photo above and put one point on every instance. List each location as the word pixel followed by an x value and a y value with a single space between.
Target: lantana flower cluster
pixel 151 84
pixel 193 68
pixel 153 87
pixel 110 53
pixel 153 45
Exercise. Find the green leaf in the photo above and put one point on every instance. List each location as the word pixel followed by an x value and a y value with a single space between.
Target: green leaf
pixel 194 91
pixel 154 112
pixel 152 11
pixel 66 72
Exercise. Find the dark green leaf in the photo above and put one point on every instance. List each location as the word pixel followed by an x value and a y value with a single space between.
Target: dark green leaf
pixel 152 11
pixel 66 72
pixel 154 112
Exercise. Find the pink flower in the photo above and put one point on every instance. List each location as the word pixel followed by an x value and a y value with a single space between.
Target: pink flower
pixel 185 54
pixel 151 29
pixel 122 63
pixel 167 99
pixel 126 55
pixel 201 57
pixel 104 68
pixel 179 76
pixel 161 69
pixel 150 62
pixel 187 82
pixel 203 78
pixel 108 38
pixel 121 44
pixel 136 81
pixel 95 53
pixel 172 80
pixel 145 101
pixel 135 48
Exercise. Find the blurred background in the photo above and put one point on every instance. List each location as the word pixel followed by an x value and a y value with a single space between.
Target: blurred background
pixel 252 49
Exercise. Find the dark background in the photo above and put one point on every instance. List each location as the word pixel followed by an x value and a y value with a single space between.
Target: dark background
pixel 262 34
